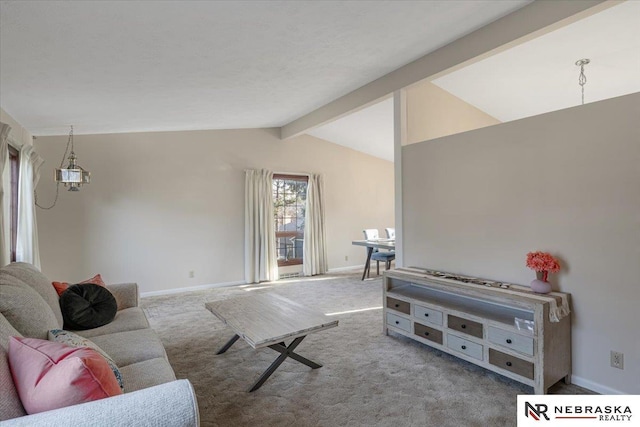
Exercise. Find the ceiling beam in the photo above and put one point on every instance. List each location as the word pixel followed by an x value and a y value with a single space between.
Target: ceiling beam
pixel 531 21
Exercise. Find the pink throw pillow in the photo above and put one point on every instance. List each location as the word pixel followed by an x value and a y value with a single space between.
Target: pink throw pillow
pixel 62 286
pixel 49 375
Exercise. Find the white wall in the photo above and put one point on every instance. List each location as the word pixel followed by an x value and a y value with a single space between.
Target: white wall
pixel 163 204
pixel 567 182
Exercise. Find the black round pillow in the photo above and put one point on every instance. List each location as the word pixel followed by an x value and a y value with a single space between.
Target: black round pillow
pixel 87 306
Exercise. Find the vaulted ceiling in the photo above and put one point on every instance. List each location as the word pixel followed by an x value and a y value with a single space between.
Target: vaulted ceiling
pixel 532 78
pixel 137 66
pixel 113 66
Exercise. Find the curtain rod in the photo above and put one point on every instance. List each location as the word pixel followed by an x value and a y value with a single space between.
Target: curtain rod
pixel 285 173
pixel 291 173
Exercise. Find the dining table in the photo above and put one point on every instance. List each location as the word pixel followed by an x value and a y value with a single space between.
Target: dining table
pixel 388 244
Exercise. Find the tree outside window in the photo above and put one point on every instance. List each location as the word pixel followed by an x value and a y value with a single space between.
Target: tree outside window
pixel 289 203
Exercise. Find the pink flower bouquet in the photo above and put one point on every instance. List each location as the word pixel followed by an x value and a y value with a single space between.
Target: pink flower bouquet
pixel 543 262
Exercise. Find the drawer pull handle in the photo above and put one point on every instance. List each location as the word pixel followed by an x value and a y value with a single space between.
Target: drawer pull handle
pixel 397 322
pixel 464 347
pixel 508 363
pixel 426 315
pixel 426 333
pixel 508 340
pixel 397 305
pixel 463 326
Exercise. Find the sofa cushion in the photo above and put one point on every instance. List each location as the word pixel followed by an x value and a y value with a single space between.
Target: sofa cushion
pixel 31 277
pixel 129 319
pixel 51 375
pixel 126 294
pixel 87 306
pixel 6 331
pixel 131 347
pixel 147 374
pixel 25 309
pixel 10 405
pixel 60 287
pixel 75 340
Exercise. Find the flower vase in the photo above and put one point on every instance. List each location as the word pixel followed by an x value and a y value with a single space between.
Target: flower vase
pixel 539 285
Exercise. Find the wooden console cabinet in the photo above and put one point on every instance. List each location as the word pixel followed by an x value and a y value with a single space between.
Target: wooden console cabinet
pixel 479 324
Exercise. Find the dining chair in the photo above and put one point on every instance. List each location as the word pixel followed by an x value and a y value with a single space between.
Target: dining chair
pixel 376 255
pixel 391 233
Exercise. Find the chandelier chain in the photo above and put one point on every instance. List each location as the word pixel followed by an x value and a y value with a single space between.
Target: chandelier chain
pixel 582 78
pixel 64 156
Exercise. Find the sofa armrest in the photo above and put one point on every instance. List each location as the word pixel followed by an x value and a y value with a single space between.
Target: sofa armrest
pixel 168 404
pixel 126 294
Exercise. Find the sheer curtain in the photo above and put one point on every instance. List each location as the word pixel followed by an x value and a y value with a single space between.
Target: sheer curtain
pixel 5 197
pixel 261 261
pixel 315 248
pixel 27 249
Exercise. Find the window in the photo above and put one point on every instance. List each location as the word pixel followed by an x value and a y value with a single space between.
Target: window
pixel 14 170
pixel 289 203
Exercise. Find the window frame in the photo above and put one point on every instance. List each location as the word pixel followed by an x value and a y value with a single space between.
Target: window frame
pixel 14 171
pixel 281 234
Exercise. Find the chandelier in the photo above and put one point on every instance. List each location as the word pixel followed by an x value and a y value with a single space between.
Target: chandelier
pixel 73 176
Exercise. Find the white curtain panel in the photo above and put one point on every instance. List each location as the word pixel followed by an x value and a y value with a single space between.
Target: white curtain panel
pixel 260 259
pixel 27 249
pixel 5 196
pixel 315 238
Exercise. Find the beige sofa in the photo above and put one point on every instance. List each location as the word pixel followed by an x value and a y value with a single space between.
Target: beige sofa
pixel 29 307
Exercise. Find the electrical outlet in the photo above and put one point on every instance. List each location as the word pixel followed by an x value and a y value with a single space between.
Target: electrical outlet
pixel 346 257
pixel 617 360
pixel 192 274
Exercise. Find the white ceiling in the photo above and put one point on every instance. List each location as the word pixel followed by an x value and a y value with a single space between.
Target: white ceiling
pixel 107 66
pixel 369 130
pixel 530 79
pixel 541 76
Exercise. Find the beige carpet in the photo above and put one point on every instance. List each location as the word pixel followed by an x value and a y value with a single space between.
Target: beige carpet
pixel 368 379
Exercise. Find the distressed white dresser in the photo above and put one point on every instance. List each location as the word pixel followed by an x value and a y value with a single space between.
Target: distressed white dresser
pixel 502 327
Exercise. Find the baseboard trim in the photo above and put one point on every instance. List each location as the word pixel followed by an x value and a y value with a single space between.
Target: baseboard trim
pixel 338 269
pixel 593 386
pixel 221 285
pixel 190 288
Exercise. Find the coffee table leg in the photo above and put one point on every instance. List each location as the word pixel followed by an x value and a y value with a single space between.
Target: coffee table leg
pixel 295 356
pixel 270 370
pixel 285 352
pixel 228 344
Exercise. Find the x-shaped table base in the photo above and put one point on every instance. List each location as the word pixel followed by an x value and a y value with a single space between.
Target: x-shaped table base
pixel 285 351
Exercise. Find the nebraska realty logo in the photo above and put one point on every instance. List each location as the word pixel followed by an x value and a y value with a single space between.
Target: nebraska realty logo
pixel 536 413
pixel 583 410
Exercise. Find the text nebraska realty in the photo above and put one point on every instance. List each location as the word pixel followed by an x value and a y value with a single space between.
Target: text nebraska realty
pixel 603 413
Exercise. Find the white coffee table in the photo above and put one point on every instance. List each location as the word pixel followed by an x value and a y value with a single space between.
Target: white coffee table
pixel 267 320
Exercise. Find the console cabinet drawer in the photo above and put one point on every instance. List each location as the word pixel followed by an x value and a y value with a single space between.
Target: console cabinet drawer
pixel 511 340
pixel 465 326
pixel 397 305
pixel 427 333
pixel 425 314
pixel 511 363
pixel 398 322
pixel 464 346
